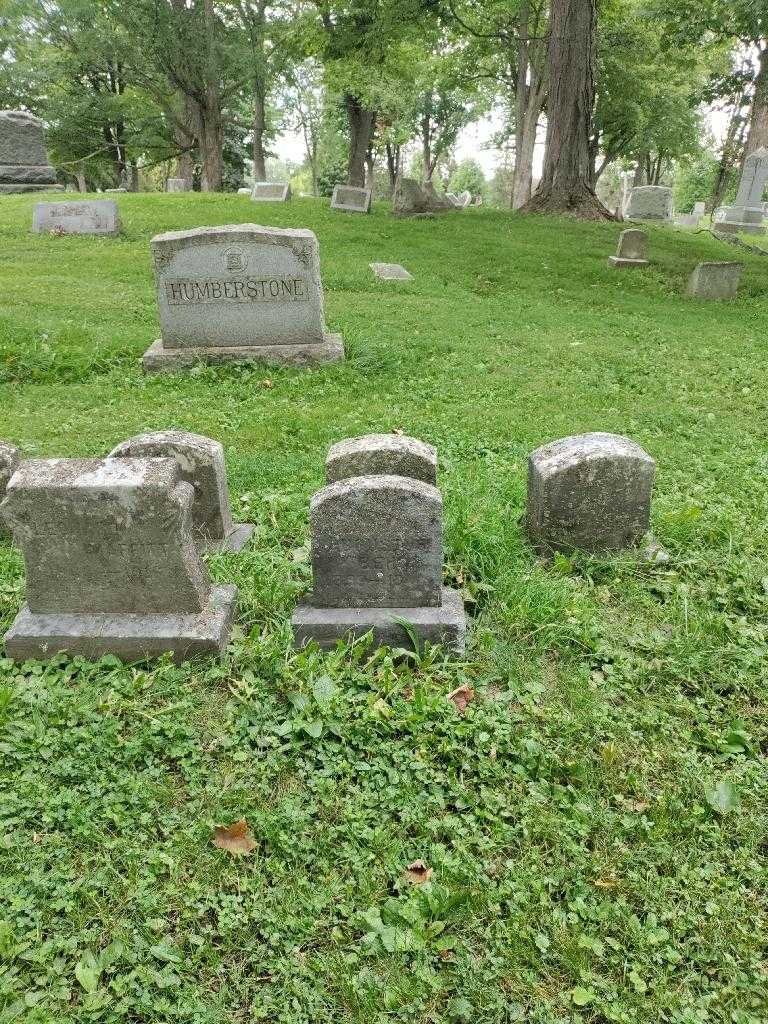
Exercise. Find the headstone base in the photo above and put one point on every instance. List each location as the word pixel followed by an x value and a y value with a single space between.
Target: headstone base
pixel 233 542
pixel 734 219
pixel 158 359
pixel 444 625
pixel 623 261
pixel 23 186
pixel 130 637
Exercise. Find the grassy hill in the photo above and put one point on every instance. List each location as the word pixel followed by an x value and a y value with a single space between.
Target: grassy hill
pixel 596 822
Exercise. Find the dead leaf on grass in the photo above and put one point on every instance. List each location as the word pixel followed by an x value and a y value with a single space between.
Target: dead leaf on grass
pixel 461 696
pixel 235 839
pixel 417 873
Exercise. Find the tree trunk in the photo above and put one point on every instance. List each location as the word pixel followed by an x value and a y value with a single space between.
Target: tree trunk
pixel 565 184
pixel 525 145
pixel 82 185
pixel 393 165
pixel 259 123
pixel 640 178
pixel 758 118
pixel 370 163
pixel 361 125
pixel 211 135
pixel 734 139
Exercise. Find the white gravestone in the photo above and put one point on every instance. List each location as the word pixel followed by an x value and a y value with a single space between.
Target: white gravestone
pixel 650 202
pixel 698 209
pixel 271 192
pixel 390 272
pixel 746 214
pixel 239 292
pixel 87 217
pixel 351 199
pixel 178 185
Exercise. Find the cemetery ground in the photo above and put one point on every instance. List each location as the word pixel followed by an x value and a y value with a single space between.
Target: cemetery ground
pixel 592 823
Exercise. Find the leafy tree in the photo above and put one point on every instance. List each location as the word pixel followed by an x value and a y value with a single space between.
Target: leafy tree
pixel 468 177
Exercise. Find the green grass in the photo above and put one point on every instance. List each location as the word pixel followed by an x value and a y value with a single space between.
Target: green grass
pixel 596 822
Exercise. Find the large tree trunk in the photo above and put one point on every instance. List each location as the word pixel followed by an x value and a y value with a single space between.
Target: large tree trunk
pixel 530 94
pixel 640 170
pixel 210 138
pixel 393 165
pixel 565 184
pixel 259 124
pixel 758 118
pixel 734 140
pixel 525 144
pixel 361 125
pixel 426 149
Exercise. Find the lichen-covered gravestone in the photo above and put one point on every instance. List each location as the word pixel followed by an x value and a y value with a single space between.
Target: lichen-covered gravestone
pixel 650 202
pixel 237 293
pixel 632 250
pixel 351 199
pixel 376 454
pixel 271 192
pixel 9 461
pixel 591 492
pixel 715 281
pixel 377 558
pixel 390 272
pixel 111 565
pixel 201 464
pixel 24 163
pixel 89 217
pixel 746 214
pixel 412 199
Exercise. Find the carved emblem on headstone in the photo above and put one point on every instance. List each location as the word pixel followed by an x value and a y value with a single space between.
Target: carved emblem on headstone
pixel 235 259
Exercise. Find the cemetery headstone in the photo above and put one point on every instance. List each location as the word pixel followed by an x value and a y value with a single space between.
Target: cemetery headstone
pixel 271 192
pixel 632 250
pixel 9 461
pixel 201 464
pixel 88 217
pixel 381 454
pixel 244 191
pixel 111 565
pixel 687 220
pixel 453 198
pixel 390 272
pixel 236 293
pixel 715 281
pixel 351 199
pixel 465 198
pixel 650 202
pixel 115 190
pixel 746 214
pixel 411 199
pixel 591 492
pixel 24 163
pixel 699 209
pixel 178 185
pixel 377 557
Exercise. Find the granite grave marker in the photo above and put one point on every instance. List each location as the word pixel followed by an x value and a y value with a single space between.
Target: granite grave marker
pixel 377 454
pixel 351 199
pixel 715 280
pixel 632 250
pixel 390 272
pixel 271 192
pixel 746 214
pixel 24 163
pixel 650 202
pixel 81 217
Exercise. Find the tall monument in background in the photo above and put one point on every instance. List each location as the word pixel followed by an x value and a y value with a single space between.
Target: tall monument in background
pixel 24 163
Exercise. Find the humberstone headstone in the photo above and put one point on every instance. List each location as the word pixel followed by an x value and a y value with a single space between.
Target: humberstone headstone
pixel 236 293
pixel 201 464
pixel 390 272
pixel 111 564
pixel 178 185
pixel 91 217
pixel 715 281
pixel 271 192
pixel 377 558
pixel 650 202
pixel 591 492
pixel 9 461
pixel 632 250
pixel 377 454
pixel 746 214
pixel 351 199
pixel 24 163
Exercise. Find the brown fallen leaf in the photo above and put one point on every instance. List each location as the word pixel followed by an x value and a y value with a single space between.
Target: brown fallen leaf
pixel 605 883
pixel 267 383
pixel 235 839
pixel 417 873
pixel 461 696
pixel 398 432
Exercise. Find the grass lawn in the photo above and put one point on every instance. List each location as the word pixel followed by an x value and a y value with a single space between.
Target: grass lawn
pixel 595 822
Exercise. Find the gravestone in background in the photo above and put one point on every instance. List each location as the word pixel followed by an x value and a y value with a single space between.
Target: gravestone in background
pixel 377 454
pixel 390 272
pixel 244 191
pixel 178 185
pixel 10 456
pixel 79 217
pixel 650 202
pixel 464 199
pixel 716 281
pixel 632 250
pixel 699 209
pixel 377 558
pixel 687 220
pixel 411 199
pixel 271 192
pixel 746 214
pixel 111 565
pixel 201 464
pixel 236 293
pixel 24 163
pixel 351 199
pixel 591 492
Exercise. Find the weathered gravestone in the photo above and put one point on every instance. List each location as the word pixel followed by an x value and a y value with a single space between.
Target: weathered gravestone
pixel 746 214
pixel 390 272
pixel 632 250
pixel 410 199
pixel 244 191
pixel 377 454
pixel 687 220
pixel 88 217
pixel 351 199
pixel 591 492
pixel 9 461
pixel 715 281
pixel 271 192
pixel 237 293
pixel 464 199
pixel 699 209
pixel 111 564
pixel 24 163
pixel 201 464
pixel 650 202
pixel 377 559
pixel 178 185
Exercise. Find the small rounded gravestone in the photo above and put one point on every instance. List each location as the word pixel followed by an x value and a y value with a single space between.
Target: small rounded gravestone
pixel 375 454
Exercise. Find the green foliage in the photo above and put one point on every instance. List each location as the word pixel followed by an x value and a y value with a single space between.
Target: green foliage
pixel 695 181
pixel 468 176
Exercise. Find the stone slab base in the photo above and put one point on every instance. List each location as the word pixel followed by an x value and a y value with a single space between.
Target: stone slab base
pixel 735 227
pixel 445 625
pixel 26 187
pixel 622 261
pixel 233 542
pixel 158 359
pixel 130 637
